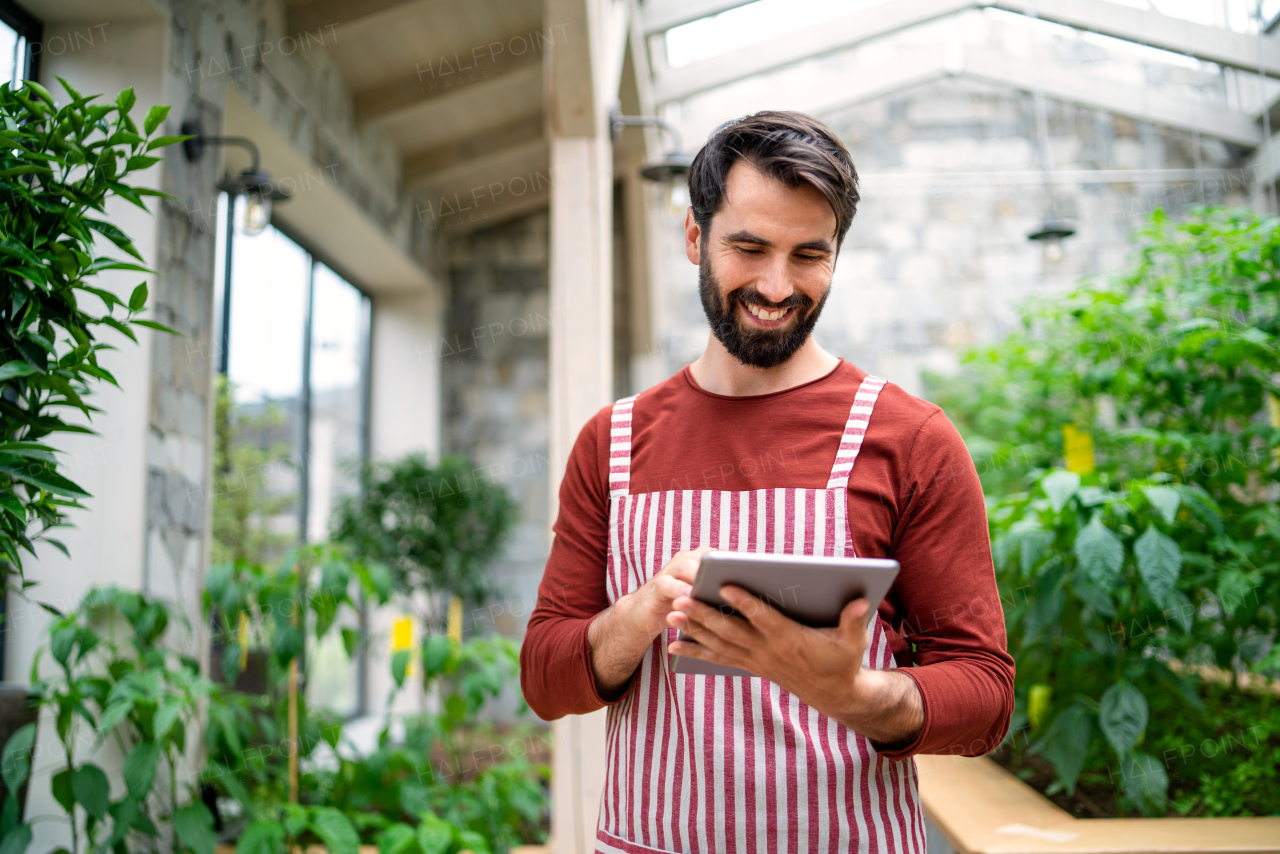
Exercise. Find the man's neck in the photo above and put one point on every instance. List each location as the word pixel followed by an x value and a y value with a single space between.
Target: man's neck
pixel 719 373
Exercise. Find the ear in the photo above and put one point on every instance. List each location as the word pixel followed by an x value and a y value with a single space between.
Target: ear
pixel 692 238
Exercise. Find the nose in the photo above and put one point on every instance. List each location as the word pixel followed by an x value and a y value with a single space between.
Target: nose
pixel 775 284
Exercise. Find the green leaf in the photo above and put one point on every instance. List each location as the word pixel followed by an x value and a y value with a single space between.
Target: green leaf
pixel 287 644
pixel 115 713
pixel 296 820
pixel 1159 562
pixel 1146 783
pixel 437 651
pixel 1060 486
pixel 138 299
pixel 350 641
pixel 166 716
pixel 336 830
pixel 1122 716
pixel 140 768
pixel 93 792
pixel 126 100
pixel 155 116
pixel 60 784
pixel 399 666
pixel 16 368
pixel 1100 552
pixel 15 760
pixel 434 834
pixel 151 324
pixel 1179 609
pixel 396 839
pixel 17 840
pixel 471 841
pixel 194 826
pixel 1165 500
pixel 62 641
pixel 162 141
pixel 1066 743
pixel 261 837
pixel 141 161
pixel 45 479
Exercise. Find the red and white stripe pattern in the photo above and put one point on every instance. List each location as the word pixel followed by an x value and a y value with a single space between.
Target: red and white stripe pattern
pixel 620 447
pixel 716 763
pixel 864 400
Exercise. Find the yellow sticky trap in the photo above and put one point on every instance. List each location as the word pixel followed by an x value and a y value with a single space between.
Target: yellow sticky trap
pixel 402 634
pixel 1077 446
pixel 1273 415
pixel 242 638
pixel 455 620
pixel 1037 704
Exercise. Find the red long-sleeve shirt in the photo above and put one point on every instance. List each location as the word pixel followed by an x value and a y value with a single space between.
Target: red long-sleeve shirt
pixel 913 496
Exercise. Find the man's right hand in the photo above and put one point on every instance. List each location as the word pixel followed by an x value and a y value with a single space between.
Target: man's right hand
pixel 621 635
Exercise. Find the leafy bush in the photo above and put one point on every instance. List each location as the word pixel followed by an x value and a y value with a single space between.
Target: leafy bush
pixel 117 682
pixel 436 526
pixel 1154 556
pixel 409 795
pixel 58 168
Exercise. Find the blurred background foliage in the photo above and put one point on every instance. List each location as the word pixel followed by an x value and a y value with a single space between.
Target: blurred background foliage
pixel 1126 435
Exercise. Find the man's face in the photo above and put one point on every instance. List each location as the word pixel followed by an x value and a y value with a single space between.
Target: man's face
pixel 764 268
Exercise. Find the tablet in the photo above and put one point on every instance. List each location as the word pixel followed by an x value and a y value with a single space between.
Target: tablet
pixel 809 590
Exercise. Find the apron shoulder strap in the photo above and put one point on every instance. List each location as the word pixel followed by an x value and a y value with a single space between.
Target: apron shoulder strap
pixel 620 447
pixel 854 431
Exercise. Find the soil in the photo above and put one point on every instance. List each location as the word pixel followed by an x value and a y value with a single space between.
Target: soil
pixel 1088 801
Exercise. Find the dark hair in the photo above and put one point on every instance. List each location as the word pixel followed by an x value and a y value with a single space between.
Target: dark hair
pixel 790 147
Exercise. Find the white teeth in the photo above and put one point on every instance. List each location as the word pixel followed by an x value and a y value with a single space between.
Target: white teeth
pixel 767 314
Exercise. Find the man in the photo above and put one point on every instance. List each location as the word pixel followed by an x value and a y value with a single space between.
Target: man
pixel 769 443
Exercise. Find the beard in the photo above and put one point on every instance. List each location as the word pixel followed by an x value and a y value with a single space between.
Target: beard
pixel 752 346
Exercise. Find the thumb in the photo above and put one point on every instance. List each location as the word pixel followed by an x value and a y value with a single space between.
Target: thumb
pixel 853 619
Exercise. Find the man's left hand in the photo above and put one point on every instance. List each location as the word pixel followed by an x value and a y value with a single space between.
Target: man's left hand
pixel 821 667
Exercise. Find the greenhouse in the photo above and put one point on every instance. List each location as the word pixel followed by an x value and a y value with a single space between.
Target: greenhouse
pixel 408 407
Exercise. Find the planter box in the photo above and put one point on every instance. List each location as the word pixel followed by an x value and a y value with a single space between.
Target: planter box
pixel 980 807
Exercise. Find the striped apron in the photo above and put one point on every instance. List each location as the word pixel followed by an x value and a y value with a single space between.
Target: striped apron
pixel 724 763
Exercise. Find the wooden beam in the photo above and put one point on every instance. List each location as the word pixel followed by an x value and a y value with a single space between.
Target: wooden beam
pixel 799 45
pixel 1069 84
pixel 495 214
pixel 469 176
pixel 1212 44
pixel 661 15
pixel 439 77
pixel 420 166
pixel 323 14
pixel 1154 29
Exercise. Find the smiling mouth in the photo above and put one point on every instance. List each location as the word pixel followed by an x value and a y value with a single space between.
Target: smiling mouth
pixel 769 316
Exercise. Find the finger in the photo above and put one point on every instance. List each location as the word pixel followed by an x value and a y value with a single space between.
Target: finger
pixel 754 610
pixel 669 588
pixel 710 625
pixel 854 617
pixel 686 566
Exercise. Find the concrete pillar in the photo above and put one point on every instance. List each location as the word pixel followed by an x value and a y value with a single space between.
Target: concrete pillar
pixel 581 332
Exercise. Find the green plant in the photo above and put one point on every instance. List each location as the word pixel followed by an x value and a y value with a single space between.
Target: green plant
pixel 424 793
pixel 436 526
pixel 59 166
pixel 117 683
pixel 1159 555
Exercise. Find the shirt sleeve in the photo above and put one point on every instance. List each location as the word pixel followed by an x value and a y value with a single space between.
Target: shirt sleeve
pixel 555 658
pixel 950 607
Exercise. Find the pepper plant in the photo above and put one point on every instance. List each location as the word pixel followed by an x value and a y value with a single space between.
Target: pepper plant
pixel 116 684
pixel 1127 437
pixel 59 167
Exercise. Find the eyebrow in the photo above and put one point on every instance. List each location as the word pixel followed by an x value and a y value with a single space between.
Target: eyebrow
pixel 744 236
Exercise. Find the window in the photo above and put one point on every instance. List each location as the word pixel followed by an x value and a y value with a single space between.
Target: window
pixel 296 344
pixel 18 31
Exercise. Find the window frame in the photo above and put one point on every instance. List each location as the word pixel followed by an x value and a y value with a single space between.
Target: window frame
pixel 314 258
pixel 30 29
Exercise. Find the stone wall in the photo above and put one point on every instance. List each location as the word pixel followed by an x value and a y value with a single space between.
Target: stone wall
pixel 494 371
pixel 952 183
pixel 288 79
